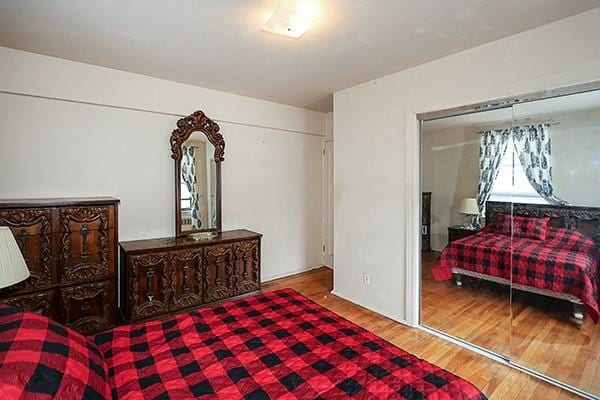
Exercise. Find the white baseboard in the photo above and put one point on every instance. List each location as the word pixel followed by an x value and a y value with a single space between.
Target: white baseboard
pixel 289 273
pixel 370 308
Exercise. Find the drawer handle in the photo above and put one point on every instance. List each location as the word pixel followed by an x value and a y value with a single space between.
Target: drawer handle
pixel 149 281
pixel 186 287
pixel 21 239
pixel 84 236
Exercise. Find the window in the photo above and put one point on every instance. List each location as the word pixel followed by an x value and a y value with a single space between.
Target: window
pixel 186 198
pixel 512 183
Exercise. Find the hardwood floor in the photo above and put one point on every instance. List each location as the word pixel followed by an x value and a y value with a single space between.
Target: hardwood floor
pixel 542 334
pixel 496 380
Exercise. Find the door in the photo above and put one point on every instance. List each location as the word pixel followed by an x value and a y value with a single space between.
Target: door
pixel 327 255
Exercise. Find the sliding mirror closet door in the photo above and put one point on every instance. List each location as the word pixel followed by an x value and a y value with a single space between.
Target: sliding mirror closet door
pixel 556 236
pixel 464 293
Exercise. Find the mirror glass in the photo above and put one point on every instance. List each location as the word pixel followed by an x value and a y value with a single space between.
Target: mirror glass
pixel 198 173
pixel 555 328
pixel 456 299
pixel 511 234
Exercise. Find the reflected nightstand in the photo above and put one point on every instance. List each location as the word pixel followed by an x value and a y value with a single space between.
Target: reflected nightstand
pixel 459 232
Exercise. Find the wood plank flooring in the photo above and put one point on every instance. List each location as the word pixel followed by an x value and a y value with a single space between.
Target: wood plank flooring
pixel 542 334
pixel 496 380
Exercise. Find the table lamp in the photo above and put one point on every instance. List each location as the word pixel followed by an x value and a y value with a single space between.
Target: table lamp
pixel 468 206
pixel 13 268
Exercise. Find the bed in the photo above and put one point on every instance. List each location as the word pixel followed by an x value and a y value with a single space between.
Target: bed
pixel 548 250
pixel 278 345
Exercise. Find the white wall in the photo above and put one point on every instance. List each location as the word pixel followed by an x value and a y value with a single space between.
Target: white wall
pixel 55 148
pixel 377 149
pixel 450 171
pixel 576 157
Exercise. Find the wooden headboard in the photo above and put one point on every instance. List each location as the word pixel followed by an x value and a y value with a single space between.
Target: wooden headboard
pixel 583 219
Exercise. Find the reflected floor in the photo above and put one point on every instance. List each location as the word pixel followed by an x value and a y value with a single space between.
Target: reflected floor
pixel 544 338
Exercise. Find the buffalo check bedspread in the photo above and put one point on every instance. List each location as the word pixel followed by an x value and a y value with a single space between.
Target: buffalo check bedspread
pixel 278 345
pixel 566 262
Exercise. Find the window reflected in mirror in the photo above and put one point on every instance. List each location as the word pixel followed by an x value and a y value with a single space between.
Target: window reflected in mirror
pixel 198 184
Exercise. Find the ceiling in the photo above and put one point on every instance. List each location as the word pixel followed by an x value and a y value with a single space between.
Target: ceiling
pixel 218 44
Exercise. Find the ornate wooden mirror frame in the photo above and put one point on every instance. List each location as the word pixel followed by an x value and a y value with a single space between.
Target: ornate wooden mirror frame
pixel 196 122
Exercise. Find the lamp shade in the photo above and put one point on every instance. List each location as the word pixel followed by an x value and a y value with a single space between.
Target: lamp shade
pixel 468 206
pixel 13 268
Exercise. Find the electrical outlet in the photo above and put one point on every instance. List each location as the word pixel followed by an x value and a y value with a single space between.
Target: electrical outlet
pixel 366 278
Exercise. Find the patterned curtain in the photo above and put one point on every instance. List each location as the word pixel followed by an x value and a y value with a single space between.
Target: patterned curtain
pixel 532 145
pixel 188 174
pixel 492 146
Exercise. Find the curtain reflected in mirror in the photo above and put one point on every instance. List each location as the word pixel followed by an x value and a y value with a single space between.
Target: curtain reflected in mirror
pixel 511 234
pixel 198 184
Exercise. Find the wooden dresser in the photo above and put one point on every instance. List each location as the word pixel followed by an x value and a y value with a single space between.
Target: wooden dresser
pixel 70 247
pixel 166 276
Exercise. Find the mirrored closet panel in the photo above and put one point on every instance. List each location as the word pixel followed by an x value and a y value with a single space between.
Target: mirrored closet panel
pixel 554 327
pixel 511 234
pixel 454 301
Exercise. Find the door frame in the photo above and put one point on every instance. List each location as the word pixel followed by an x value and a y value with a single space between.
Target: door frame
pixel 327 203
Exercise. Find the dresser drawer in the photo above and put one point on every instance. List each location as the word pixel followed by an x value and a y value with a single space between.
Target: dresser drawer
pixel 150 281
pixel 40 302
pixel 92 267
pixel 85 243
pixel 76 219
pixel 85 254
pixel 88 308
pixel 27 221
pixel 41 277
pixel 218 272
pixel 247 266
pixel 32 231
pixel 186 278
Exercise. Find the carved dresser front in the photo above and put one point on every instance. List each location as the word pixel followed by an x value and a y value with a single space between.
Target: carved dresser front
pixel 70 247
pixel 168 275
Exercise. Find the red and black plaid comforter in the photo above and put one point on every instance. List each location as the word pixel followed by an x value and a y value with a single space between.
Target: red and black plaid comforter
pixel 274 346
pixel 566 262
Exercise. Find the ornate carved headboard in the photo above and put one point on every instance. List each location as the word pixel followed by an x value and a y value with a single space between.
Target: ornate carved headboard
pixel 583 219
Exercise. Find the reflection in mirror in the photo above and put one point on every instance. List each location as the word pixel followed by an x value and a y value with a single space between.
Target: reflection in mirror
pixel 455 299
pixel 198 150
pixel 198 184
pixel 555 331
pixel 511 234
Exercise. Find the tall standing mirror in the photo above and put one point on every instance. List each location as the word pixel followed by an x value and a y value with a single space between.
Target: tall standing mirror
pixel 197 148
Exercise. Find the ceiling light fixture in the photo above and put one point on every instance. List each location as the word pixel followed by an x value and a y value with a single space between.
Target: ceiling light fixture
pixel 292 22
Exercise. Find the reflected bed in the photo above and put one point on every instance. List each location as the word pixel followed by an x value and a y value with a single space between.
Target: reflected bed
pixel 561 263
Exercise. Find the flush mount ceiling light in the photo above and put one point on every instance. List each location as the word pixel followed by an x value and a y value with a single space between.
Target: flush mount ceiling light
pixel 291 22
